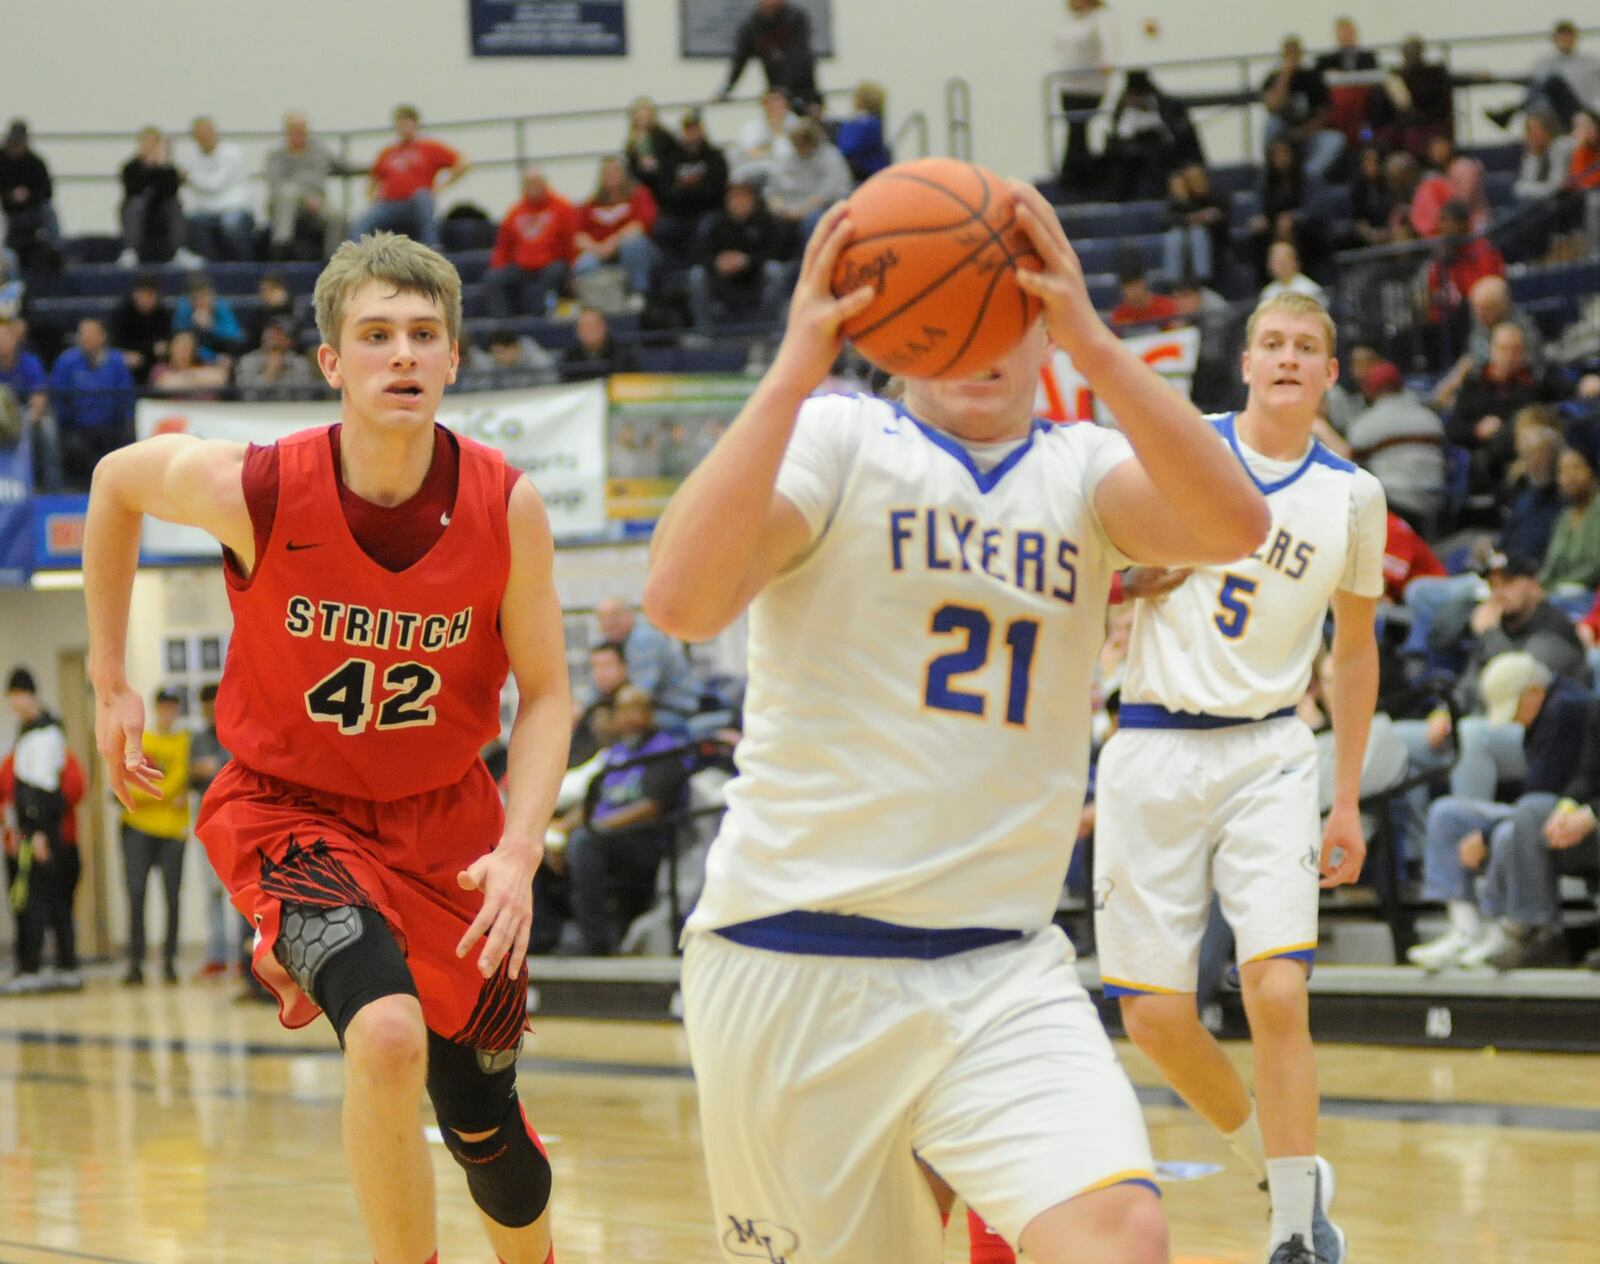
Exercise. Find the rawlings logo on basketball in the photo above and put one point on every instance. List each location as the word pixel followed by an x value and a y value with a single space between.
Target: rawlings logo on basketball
pixel 871 271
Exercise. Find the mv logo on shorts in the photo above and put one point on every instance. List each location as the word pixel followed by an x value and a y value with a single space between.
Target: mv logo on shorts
pixel 761 1240
pixel 1102 893
pixel 1312 860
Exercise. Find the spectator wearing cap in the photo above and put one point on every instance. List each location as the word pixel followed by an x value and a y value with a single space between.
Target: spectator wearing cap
pixel 405 178
pixel 141 325
pixel 154 830
pixel 742 275
pixel 1401 440
pixel 216 193
pixel 1573 558
pixel 1490 395
pixel 1516 615
pixel 91 391
pixel 778 35
pixel 27 198
pixel 533 251
pixel 274 370
pixel 22 373
pixel 211 318
pixel 302 225
pixel 692 188
pixel 1140 304
pixel 1537 717
pixel 808 179
pixel 614 227
pixel 860 137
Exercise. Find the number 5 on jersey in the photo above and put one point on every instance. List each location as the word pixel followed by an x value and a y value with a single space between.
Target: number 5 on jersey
pixel 1234 600
pixel 344 696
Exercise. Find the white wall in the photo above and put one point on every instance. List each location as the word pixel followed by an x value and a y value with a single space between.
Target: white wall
pixel 111 65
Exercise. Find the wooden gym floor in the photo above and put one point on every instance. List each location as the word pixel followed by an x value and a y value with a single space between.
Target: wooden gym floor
pixel 165 1125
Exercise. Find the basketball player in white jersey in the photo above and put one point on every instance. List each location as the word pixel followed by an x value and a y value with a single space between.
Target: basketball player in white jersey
pixel 1211 782
pixel 871 974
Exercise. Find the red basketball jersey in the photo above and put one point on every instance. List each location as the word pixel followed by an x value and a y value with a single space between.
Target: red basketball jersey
pixel 357 680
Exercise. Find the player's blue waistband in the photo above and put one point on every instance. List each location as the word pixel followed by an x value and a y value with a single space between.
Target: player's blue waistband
pixel 1147 715
pixel 843 935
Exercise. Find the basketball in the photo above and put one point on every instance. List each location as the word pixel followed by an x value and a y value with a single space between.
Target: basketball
pixel 938 240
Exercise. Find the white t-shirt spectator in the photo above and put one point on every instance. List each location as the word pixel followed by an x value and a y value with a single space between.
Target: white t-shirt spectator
pixel 214 182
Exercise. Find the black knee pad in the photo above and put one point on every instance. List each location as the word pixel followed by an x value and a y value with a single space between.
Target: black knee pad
pixel 475 1090
pixel 342 957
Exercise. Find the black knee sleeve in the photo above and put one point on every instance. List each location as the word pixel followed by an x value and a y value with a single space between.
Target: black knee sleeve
pixel 342 957
pixel 473 1091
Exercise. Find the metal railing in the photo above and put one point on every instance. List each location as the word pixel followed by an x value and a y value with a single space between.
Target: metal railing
pixel 958 118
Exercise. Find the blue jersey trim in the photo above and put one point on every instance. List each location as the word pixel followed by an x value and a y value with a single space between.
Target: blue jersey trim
pixel 841 935
pixel 1319 455
pixel 1148 715
pixel 986 482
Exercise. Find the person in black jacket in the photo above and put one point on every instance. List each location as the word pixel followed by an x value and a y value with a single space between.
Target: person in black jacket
pixel 778 35
pixel 1490 397
pixel 26 194
pixel 152 217
pixel 693 185
pixel 141 326
pixel 741 275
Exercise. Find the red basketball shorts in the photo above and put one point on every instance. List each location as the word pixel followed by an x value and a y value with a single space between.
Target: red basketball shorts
pixel 274 841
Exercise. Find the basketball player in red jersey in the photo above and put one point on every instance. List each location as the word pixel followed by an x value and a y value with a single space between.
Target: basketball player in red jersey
pixel 383 574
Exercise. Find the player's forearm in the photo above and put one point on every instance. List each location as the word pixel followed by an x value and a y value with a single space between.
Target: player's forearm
pixel 536 758
pixel 110 558
pixel 706 541
pixel 1353 695
pixel 1200 478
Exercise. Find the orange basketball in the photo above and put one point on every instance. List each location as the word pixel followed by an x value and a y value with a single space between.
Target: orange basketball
pixel 938 240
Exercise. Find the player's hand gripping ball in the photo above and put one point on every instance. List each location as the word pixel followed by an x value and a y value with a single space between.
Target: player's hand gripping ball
pixel 939 241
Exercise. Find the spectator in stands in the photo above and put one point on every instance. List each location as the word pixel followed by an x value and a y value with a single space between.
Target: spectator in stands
pixel 216 193
pixel 184 373
pixel 650 149
pixel 595 352
pixel 92 394
pixel 1490 395
pixel 1460 260
pixel 809 179
pixel 152 215
pixel 1573 559
pixel 1347 54
pixel 1371 201
pixel 1352 105
pixel 1548 837
pixel 1406 557
pixel 1402 174
pixel 656 662
pixel 210 317
pixel 153 834
pixel 1283 265
pixel 1423 94
pixel 741 275
pixel 27 198
pixel 1457 180
pixel 593 730
pixel 13 289
pixel 693 188
pixel 1489 303
pixel 1283 196
pixel 275 369
pixel 614 228
pixel 1148 137
pixel 1141 304
pixel 1401 440
pixel 274 304
pixel 763 140
pixel 141 325
pixel 861 137
pixel 1541 715
pixel 533 251
pixel 1088 49
pixel 1299 106
pixel 1532 494
pixel 1564 81
pixel 405 179
pixel 1196 240
pixel 1516 615
pixel 778 35
pixel 1546 156
pixel 303 225
pixel 510 360
pixel 22 373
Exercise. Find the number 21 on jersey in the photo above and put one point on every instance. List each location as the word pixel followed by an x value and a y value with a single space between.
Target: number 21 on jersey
pixel 974 625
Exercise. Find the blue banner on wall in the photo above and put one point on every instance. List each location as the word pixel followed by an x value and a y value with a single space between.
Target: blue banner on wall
pixel 16 513
pixel 549 28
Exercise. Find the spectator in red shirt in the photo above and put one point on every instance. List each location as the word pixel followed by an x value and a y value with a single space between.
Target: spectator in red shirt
pixel 1406 556
pixel 1141 305
pixel 614 227
pixel 1584 170
pixel 1460 262
pixel 404 180
pixel 533 250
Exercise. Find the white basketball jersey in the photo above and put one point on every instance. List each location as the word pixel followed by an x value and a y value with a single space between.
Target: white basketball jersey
pixel 1240 639
pixel 917 720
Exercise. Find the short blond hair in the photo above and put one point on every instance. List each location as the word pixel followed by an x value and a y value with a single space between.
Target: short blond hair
pixel 409 266
pixel 1293 304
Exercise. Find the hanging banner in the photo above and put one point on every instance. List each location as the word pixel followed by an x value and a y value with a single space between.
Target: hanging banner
pixel 1064 394
pixel 548 28
pixel 556 434
pixel 16 512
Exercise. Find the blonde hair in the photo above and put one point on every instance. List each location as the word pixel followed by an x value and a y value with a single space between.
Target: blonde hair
pixel 1292 304
pixel 409 266
pixel 871 98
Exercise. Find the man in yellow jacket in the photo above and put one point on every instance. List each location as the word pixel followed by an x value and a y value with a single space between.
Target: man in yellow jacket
pixel 154 831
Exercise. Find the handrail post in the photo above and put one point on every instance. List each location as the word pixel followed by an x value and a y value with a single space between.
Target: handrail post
pixel 346 174
pixel 1247 124
pixel 519 130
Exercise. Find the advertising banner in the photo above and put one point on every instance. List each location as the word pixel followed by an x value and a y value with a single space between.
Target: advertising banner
pixel 1064 395
pixel 548 28
pixel 16 513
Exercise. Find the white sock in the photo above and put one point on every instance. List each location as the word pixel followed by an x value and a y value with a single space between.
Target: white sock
pixel 1247 1144
pixel 1464 918
pixel 1292 1186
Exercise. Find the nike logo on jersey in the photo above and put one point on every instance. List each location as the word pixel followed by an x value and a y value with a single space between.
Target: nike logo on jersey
pixel 295 548
pixel 444 520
